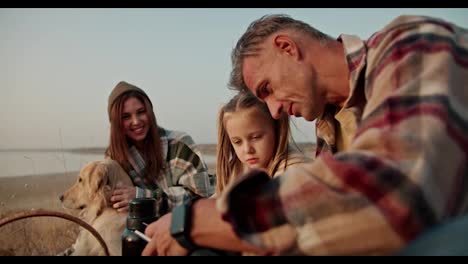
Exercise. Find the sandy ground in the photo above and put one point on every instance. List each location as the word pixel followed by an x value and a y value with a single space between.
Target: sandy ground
pixel 35 192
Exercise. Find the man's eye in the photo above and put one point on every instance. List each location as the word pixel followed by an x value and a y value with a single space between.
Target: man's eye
pixel 264 91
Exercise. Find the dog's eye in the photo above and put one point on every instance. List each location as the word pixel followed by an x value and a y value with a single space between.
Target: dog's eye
pixel 79 180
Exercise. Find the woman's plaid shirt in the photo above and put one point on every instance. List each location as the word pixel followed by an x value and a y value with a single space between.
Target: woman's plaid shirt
pixel 185 175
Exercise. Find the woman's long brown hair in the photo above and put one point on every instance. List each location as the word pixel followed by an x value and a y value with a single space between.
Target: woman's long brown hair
pixel 119 143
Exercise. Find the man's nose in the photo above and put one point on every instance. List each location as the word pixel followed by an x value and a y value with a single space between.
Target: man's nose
pixel 275 108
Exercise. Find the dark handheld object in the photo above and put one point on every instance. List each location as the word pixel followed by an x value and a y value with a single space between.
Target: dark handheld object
pixel 141 211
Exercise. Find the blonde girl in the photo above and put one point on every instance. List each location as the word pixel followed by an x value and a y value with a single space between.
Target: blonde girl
pixel 248 137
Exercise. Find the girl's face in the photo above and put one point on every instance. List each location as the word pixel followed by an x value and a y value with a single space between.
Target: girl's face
pixel 135 120
pixel 252 135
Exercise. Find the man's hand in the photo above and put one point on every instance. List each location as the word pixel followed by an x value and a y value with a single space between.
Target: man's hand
pixel 162 243
pixel 122 196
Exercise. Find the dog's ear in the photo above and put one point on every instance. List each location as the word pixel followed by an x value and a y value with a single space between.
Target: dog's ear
pixel 100 177
pixel 99 192
pixel 111 178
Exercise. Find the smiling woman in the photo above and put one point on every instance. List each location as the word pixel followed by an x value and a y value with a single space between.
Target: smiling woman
pixel 162 164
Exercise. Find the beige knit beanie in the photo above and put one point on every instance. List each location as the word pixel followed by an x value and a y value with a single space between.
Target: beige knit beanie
pixel 121 88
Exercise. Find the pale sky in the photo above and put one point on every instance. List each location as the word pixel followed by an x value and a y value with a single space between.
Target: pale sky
pixel 58 66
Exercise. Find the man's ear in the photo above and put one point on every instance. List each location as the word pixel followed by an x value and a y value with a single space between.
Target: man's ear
pixel 286 44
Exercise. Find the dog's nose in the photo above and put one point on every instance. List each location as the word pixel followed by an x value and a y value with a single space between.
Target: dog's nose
pixel 61 198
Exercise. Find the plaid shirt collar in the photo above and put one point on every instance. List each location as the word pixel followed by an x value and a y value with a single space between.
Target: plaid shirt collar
pixel 348 117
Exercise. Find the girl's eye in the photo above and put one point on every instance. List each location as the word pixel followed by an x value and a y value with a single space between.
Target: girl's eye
pixel 125 117
pixel 257 136
pixel 235 142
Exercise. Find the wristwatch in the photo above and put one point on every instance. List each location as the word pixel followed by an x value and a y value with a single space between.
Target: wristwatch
pixel 181 224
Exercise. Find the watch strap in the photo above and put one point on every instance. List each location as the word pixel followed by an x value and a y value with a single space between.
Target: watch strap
pixel 184 239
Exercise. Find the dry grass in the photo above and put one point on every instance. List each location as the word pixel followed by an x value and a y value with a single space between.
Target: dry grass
pixel 38 236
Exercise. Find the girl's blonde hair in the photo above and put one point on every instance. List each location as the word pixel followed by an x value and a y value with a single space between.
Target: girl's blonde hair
pixel 119 143
pixel 227 163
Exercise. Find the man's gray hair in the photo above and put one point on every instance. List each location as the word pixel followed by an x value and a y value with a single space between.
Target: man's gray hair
pixel 256 33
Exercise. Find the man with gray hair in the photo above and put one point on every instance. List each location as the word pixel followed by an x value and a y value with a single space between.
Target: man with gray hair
pixel 391 115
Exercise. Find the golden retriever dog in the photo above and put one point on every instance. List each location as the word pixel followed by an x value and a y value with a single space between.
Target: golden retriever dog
pixel 90 195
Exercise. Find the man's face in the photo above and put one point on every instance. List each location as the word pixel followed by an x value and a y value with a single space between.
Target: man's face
pixel 284 82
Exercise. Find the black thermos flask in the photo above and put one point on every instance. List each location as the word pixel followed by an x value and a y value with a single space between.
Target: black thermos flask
pixel 141 210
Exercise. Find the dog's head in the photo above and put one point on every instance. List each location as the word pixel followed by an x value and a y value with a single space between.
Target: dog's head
pixel 94 185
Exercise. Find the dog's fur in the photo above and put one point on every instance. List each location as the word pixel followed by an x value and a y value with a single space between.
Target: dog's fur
pixel 90 195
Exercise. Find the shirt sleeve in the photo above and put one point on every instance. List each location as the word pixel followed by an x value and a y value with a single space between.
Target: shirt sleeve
pixel 404 172
pixel 142 190
pixel 189 172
